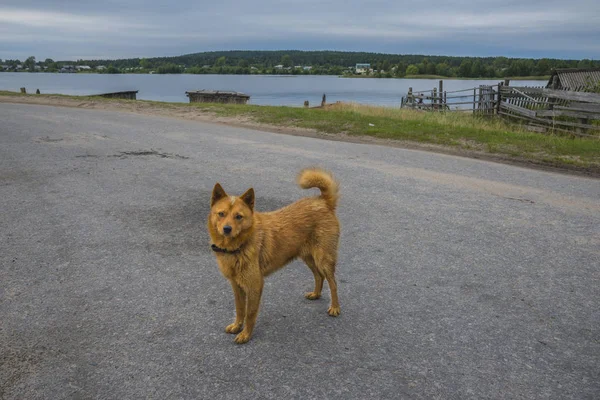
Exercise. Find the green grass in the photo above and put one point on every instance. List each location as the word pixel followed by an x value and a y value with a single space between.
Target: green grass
pixel 457 130
pixel 454 130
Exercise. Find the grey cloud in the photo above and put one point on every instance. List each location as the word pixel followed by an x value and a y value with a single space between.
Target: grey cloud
pixel 67 30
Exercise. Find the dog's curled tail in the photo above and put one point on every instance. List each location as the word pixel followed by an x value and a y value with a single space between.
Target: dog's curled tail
pixel 316 177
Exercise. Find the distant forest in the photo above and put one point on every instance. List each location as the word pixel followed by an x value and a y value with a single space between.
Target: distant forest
pixel 321 63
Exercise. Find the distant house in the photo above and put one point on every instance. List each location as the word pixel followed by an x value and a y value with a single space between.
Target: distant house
pixel 362 68
pixel 100 68
pixel 574 79
pixel 307 68
pixel 83 67
pixel 67 69
pixel 279 66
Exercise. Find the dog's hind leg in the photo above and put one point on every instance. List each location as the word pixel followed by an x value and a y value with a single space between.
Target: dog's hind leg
pixel 334 308
pixel 314 295
pixel 326 264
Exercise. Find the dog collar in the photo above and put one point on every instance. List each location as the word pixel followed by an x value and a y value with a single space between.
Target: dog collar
pixel 217 249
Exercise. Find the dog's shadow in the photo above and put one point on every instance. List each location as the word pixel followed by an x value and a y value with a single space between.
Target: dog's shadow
pixel 179 227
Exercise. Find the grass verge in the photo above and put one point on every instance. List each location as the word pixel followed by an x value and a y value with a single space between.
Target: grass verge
pixel 463 133
pixel 457 130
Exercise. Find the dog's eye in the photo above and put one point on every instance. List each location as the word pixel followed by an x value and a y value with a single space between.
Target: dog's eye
pixel 221 214
pixel 238 217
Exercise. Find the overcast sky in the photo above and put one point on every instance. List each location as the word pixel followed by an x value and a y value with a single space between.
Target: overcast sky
pixel 93 29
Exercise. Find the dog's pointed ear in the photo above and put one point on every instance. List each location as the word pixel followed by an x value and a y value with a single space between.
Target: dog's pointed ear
pixel 217 194
pixel 248 198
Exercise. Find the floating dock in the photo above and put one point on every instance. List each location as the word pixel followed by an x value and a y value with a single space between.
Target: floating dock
pixel 217 96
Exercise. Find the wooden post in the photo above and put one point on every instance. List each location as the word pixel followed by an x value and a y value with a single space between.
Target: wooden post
pixel 482 99
pixel 410 98
pixel 324 100
pixel 306 103
pixel 445 100
pixel 507 82
pixel 499 98
pixel 474 98
pixel 440 91
pixel 434 99
pixel 23 90
pixel 37 91
pixel 551 101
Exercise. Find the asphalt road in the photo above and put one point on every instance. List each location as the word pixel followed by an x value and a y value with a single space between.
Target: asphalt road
pixel 458 278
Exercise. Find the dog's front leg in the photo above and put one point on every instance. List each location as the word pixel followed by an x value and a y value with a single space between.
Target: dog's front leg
pixel 253 294
pixel 240 308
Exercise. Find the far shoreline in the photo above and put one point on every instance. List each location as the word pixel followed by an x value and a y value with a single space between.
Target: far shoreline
pixel 423 77
pixel 454 78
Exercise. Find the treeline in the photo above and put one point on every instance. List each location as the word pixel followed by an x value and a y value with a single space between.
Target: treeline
pixel 337 62
pixel 334 63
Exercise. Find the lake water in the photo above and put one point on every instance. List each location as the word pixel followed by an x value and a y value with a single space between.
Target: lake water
pixel 263 89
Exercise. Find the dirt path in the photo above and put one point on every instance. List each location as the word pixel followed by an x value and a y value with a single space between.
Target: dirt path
pixel 458 278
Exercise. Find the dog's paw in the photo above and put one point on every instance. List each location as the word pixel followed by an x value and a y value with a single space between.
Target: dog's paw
pixel 242 337
pixel 312 296
pixel 233 328
pixel 333 311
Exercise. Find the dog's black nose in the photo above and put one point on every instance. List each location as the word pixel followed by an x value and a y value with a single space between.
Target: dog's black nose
pixel 227 229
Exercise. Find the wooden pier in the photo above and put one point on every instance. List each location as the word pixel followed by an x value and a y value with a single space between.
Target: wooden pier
pixel 217 96
pixel 128 95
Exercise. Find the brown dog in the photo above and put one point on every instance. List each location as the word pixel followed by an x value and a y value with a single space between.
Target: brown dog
pixel 251 245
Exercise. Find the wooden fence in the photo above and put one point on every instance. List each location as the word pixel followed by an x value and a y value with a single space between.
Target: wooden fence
pixel 571 112
pixel 543 110
pixel 481 99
